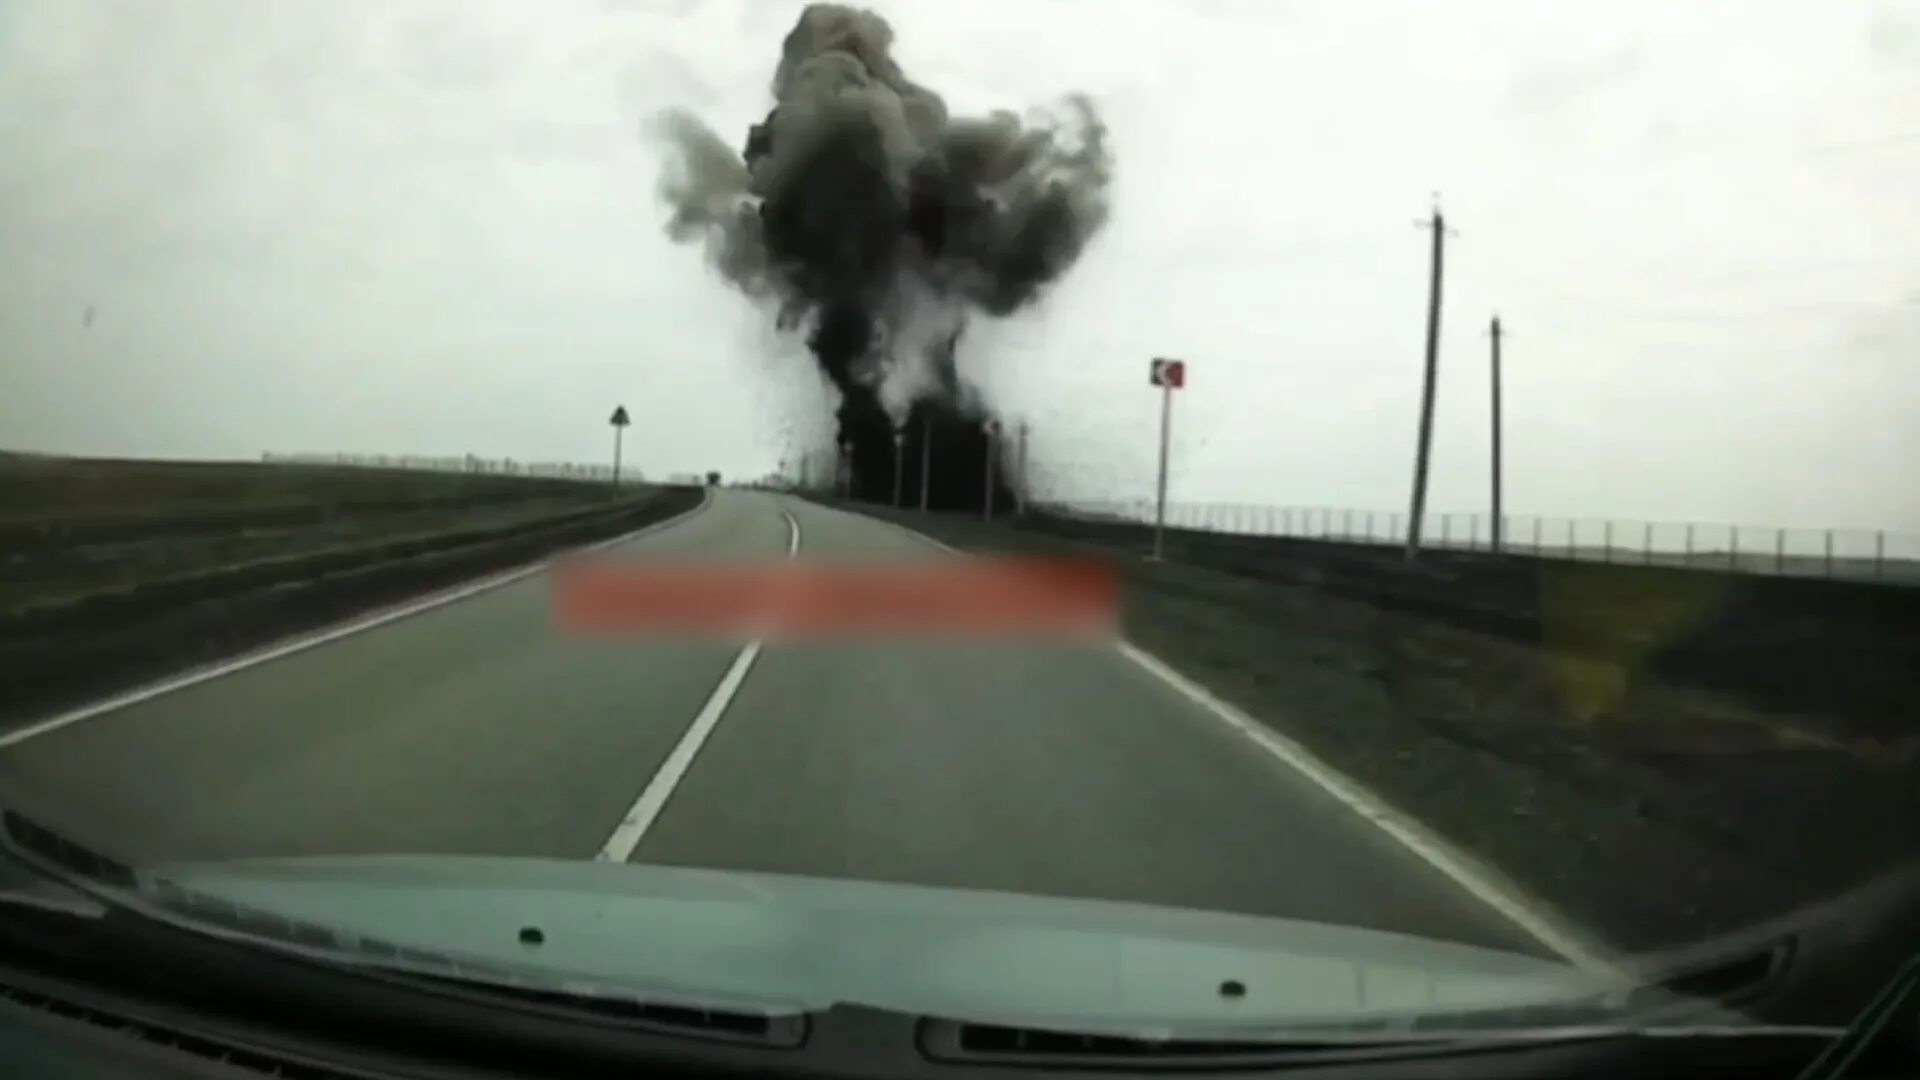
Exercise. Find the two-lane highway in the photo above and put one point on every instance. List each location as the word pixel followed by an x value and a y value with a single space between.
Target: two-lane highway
pixel 474 727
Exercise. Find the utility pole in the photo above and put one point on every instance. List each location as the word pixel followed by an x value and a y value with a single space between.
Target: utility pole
pixel 991 429
pixel 899 444
pixel 1020 474
pixel 1439 226
pixel 1499 528
pixel 926 456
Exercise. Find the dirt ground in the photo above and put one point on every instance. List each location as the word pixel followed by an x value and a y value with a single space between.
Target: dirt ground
pixel 1653 796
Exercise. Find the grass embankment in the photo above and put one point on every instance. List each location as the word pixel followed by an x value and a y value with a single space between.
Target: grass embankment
pixel 118 571
pixel 1664 755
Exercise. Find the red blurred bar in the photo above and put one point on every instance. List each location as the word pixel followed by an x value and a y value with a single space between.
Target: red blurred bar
pixel 1048 597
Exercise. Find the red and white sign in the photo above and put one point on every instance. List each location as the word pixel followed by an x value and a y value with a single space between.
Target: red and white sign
pixel 1168 373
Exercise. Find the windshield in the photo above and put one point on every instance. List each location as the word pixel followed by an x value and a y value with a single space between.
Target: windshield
pixel 1206 516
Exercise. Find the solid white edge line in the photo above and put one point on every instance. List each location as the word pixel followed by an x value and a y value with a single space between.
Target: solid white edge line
pixel 1473 876
pixel 311 639
pixel 653 799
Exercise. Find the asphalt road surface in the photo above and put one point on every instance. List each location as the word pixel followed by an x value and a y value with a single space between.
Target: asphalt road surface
pixel 475 727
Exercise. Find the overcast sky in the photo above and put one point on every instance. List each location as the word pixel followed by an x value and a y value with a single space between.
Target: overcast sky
pixel 429 226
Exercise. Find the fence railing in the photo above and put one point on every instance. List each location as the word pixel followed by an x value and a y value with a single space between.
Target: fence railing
pixel 463 463
pixel 1853 554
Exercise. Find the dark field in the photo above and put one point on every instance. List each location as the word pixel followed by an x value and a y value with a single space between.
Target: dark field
pixel 71 526
pixel 115 571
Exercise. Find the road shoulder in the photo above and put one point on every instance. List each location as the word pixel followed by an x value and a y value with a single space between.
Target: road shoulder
pixel 1630 845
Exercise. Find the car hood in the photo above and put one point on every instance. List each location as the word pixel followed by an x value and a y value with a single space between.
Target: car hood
pixel 787 942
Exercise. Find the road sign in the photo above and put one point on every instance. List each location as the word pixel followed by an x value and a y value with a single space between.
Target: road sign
pixel 619 422
pixel 1168 373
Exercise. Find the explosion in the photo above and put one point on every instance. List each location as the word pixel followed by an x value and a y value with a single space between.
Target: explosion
pixel 879 223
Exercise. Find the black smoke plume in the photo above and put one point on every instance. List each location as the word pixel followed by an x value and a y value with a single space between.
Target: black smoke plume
pixel 878 223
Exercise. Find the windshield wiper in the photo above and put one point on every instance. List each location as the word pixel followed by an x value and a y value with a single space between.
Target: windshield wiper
pixel 1884 1040
pixel 763 1027
pixel 1006 1045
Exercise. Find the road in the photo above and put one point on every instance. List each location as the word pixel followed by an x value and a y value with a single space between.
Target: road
pixel 475 728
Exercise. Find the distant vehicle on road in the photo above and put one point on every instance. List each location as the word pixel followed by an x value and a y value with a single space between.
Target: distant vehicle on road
pixel 713 479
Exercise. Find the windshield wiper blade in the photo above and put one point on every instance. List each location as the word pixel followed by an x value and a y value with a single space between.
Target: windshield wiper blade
pixel 962 1039
pixel 733 1023
pixel 963 1042
pixel 105 880
pixel 1874 1045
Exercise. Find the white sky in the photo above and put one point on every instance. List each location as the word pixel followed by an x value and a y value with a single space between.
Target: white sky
pixel 430 226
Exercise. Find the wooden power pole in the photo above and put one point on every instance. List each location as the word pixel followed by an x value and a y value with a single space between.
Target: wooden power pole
pixel 1499 522
pixel 1419 508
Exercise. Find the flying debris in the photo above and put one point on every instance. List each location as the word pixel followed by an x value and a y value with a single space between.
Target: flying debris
pixel 878 223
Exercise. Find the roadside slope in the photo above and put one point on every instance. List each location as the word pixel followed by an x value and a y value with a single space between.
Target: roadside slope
pixel 121 572
pixel 1670 816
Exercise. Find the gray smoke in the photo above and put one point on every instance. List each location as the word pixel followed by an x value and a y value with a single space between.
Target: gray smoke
pixel 877 220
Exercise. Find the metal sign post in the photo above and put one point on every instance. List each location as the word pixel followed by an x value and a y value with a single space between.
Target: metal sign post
pixel 1168 375
pixel 619 422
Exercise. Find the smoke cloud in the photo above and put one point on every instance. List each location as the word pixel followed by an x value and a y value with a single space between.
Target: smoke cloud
pixel 879 222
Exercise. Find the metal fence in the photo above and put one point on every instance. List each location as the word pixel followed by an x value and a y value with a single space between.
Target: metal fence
pixel 463 463
pixel 1853 554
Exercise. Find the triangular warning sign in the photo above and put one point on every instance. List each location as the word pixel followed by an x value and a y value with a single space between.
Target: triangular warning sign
pixel 619 416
